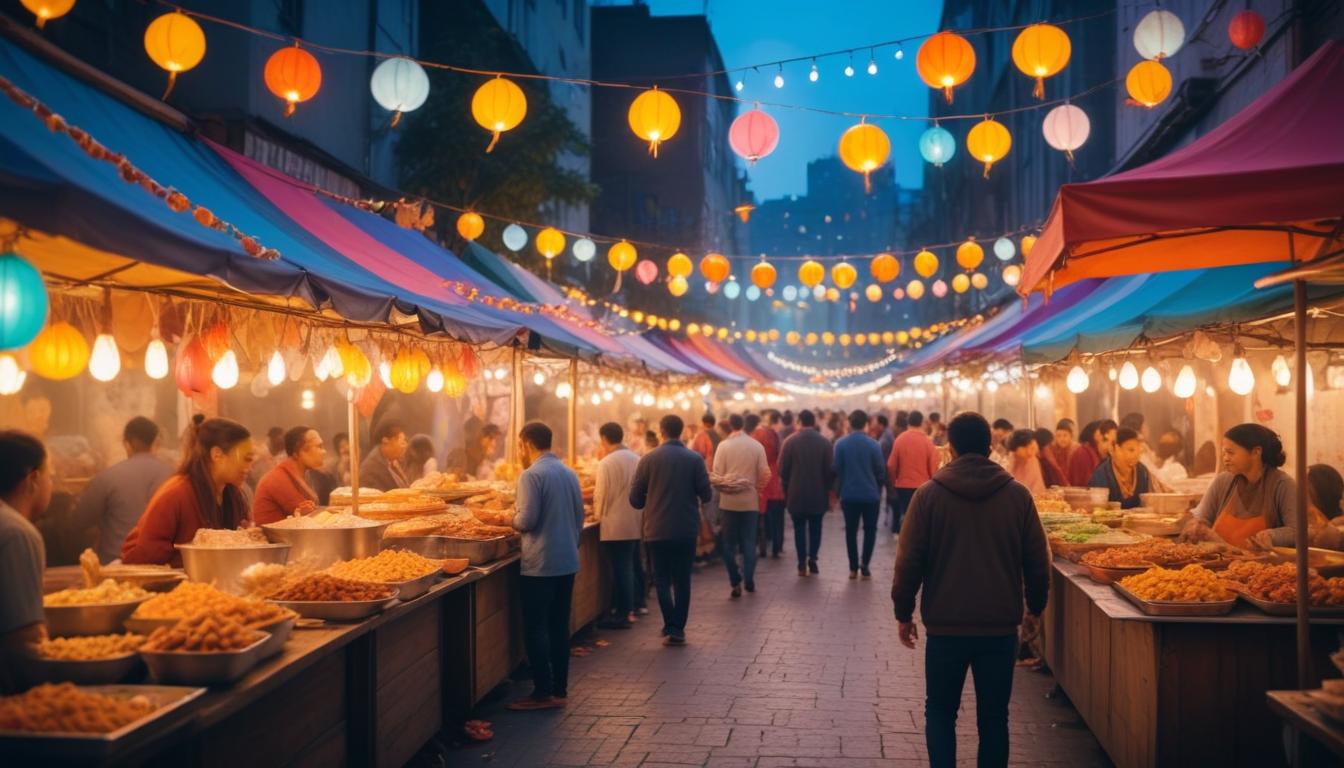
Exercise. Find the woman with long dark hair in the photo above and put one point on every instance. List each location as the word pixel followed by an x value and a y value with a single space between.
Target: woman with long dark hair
pixel 205 492
pixel 1252 502
pixel 1094 444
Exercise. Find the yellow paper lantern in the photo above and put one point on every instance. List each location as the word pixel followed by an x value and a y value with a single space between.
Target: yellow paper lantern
pixel 844 275
pixel 678 286
pixel 873 292
pixel 679 265
pixel 945 61
pixel 916 332
pixel 827 338
pixel 845 339
pixel 810 339
pixel 404 372
pixel 988 142
pixel 692 329
pixel 46 10
pixel 622 256
pixel 811 273
pixel 888 338
pixel 470 225
pixel 961 283
pixel 902 338
pixel 1028 242
pixel 722 334
pixel 550 242
pixel 358 370
pixel 926 263
pixel 751 336
pixel 454 381
pixel 885 268
pixel 979 281
pixel 970 254
pixel 654 117
pixel 498 105
pixel 763 276
pixel 915 290
pixel 1148 83
pixel 1041 51
pixel 793 338
pixel 860 339
pixel 864 148
pixel 715 267
pixel 832 294
pixel 422 363
pixel 59 352
pixel 176 43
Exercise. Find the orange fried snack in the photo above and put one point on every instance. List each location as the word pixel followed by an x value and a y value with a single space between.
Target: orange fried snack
pixel 63 708
pixel 201 633
pixel 1191 584
pixel 325 588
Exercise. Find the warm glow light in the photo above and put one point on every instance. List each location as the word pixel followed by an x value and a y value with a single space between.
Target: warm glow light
pixel 1077 380
pixel 156 359
pixel 539 378
pixel 1283 375
pixel 11 376
pixel 1185 383
pixel 434 381
pixel 275 369
pixel 1151 380
pixel 105 362
pixel 1241 379
pixel 225 373
pixel 1129 376
pixel 308 400
pixel 563 390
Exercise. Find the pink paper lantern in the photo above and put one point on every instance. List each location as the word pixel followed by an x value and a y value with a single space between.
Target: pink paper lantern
pixel 646 271
pixel 939 288
pixel 753 135
pixel 898 294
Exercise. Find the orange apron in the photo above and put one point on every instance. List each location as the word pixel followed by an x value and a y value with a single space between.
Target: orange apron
pixel 1237 531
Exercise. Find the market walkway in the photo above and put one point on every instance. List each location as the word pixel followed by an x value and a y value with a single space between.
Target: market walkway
pixel 805 672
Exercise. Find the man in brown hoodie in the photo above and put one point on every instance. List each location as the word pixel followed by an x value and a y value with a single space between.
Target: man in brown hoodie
pixel 973 542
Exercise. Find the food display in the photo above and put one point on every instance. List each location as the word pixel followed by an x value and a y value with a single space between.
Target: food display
pixel 1093 534
pixel 388 566
pixel 326 519
pixel 1052 505
pixel 324 587
pixel 64 708
pixel 1191 584
pixel 108 591
pixel 203 632
pixel 1147 553
pixel 89 648
pixel 1054 520
pixel 344 495
pixel 223 538
pixel 398 504
pixel 459 524
pixel 191 598
pixel 1278 584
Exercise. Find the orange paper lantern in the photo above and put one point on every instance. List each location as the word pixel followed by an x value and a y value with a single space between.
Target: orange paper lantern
pixel 1041 51
pixel 622 256
pixel 715 267
pixel 970 254
pixel 550 242
pixel 763 276
pixel 811 273
pixel 844 275
pixel 1028 242
pixel 46 10
pixel 654 117
pixel 988 142
pixel 470 225
pixel 679 265
pixel 945 61
pixel 294 75
pixel 59 352
pixel 176 43
pixel 1148 83
pixel 498 105
pixel 885 268
pixel 926 263
pixel 864 148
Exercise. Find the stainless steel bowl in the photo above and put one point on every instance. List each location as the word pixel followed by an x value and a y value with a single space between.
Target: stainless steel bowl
pixel 108 671
pixel 223 565
pixel 192 668
pixel 337 610
pixel 324 546
pixel 97 619
pixel 1169 503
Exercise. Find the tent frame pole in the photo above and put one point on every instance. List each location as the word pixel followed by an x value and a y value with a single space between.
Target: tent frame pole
pixel 572 437
pixel 353 429
pixel 1300 471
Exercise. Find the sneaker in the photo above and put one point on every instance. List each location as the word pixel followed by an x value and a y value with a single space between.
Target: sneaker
pixel 867 574
pixel 853 575
pixel 674 640
pixel 532 703
pixel 737 590
pixel 812 566
pixel 751 586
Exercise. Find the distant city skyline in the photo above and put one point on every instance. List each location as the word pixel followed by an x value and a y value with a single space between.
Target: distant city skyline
pixel 753 31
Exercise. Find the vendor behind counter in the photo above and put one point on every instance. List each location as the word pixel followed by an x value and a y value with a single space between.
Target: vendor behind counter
pixel 1252 503
pixel 25 491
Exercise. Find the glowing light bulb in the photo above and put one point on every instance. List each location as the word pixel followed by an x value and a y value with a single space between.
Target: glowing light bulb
pixel 849 69
pixel 1129 376
pixel 606 395
pixel 1077 380
pixel 308 400
pixel 539 378
pixel 225 373
pixel 156 359
pixel 704 389
pixel 1283 375
pixel 1112 374
pixel 779 78
pixel 1151 380
pixel 872 66
pixel 1185 383
pixel 814 74
pixel 501 373
pixel 1042 391
pixel 563 390
pixel 596 399
pixel 434 381
pixel 335 365
pixel 320 369
pixel 1241 379
pixel 385 373
pixel 900 53
pixel 105 361
pixel 11 375
pixel 739 85
pixel 487 374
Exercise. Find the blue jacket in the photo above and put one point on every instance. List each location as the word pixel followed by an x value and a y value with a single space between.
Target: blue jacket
pixel 550 516
pixel 859 469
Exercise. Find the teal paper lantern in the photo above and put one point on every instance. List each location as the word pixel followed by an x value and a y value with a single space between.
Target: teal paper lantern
pixel 731 290
pixel 753 293
pixel 23 301
pixel 937 145
pixel 515 237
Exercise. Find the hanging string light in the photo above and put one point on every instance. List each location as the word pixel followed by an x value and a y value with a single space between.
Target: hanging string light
pixel 1129 376
pixel 498 105
pixel 872 63
pixel 715 268
pixel 813 75
pixel 1077 381
pixel 1150 380
pixel 844 275
pixel 1185 383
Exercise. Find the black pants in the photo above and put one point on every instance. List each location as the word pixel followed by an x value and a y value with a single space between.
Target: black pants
pixel 671 560
pixel 622 555
pixel 857 512
pixel 546 601
pixel 991 661
pixel 903 496
pixel 774 526
pixel 807 537
pixel 641 581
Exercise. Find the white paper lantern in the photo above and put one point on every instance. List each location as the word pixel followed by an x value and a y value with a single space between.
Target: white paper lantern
pixel 1241 379
pixel 156 359
pixel 584 249
pixel 1129 376
pixel 399 85
pixel 753 293
pixel 105 361
pixel 1004 249
pixel 790 293
pixel 515 237
pixel 11 375
pixel 1066 127
pixel 1185 383
pixel 434 381
pixel 819 292
pixel 275 369
pixel 1077 381
pixel 1159 35
pixel 731 289
pixel 1151 380
pixel 225 373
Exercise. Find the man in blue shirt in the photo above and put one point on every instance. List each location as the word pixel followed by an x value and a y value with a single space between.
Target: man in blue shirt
pixel 860 473
pixel 550 517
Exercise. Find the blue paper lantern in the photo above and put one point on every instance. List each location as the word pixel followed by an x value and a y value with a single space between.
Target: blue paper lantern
pixel 753 293
pixel 515 237
pixel 399 85
pixel 23 301
pixel 731 289
pixel 937 145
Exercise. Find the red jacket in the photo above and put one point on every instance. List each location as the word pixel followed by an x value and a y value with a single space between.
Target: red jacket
pixel 172 517
pixel 279 492
pixel 913 460
pixel 769 440
pixel 1084 462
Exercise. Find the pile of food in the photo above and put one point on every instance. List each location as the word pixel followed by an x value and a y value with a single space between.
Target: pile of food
pixel 1146 553
pixel 202 633
pixel 63 708
pixel 327 519
pixel 388 567
pixel 325 588
pixel 1055 520
pixel 398 504
pixel 89 648
pixel 1093 533
pixel 108 591
pixel 1278 584
pixel 345 494
pixel 1051 505
pixel 1191 584
pixel 191 598
pixel 223 538
pixel 459 524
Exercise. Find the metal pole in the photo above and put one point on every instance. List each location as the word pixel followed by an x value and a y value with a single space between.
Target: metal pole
pixel 516 406
pixel 1300 469
pixel 571 444
pixel 353 429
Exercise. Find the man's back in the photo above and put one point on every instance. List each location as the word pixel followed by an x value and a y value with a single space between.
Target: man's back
pixel 806 466
pixel 117 497
pixel 913 459
pixel 550 516
pixel 859 471
pixel 611 496
pixel 742 456
pixel 670 482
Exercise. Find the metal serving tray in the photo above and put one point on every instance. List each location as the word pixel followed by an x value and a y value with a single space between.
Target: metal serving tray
pixel 145 626
pixel 337 610
pixel 1290 609
pixel 1104 575
pixel 1166 608
pixel 474 551
pixel 409 590
pixel 278 632
pixel 214 668
pixel 97 619
pixel 60 747
pixel 108 671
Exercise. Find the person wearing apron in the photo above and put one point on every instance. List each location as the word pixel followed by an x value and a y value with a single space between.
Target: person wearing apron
pixel 1252 503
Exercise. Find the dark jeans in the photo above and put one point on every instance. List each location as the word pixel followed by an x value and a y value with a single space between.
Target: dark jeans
pixel 903 496
pixel 807 537
pixel 856 512
pixel 774 526
pixel 622 555
pixel 671 560
pixel 546 601
pixel 739 531
pixel 641 581
pixel 991 661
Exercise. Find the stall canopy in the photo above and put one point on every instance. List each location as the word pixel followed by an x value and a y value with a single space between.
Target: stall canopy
pixel 1265 186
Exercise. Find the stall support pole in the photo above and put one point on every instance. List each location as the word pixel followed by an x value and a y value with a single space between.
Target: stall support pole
pixel 572 443
pixel 1031 401
pixel 1300 470
pixel 353 429
pixel 516 407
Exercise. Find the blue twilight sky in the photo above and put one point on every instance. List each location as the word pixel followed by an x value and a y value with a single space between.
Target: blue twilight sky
pixel 754 31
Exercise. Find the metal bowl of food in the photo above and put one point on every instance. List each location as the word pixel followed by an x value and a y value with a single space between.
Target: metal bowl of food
pixel 1169 503
pixel 321 547
pixel 105 671
pixel 91 619
pixel 223 565
pixel 337 610
pixel 204 668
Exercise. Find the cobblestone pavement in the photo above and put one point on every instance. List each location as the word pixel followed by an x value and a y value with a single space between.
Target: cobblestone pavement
pixel 805 672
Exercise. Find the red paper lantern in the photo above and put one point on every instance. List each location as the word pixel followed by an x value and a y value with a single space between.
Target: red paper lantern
pixel 192 368
pixel 646 271
pixel 753 135
pixel 1246 29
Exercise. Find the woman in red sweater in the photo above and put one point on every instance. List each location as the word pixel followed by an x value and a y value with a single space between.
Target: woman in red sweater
pixel 205 492
pixel 1094 444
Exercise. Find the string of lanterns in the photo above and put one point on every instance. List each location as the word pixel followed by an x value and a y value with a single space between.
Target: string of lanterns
pixel 844 372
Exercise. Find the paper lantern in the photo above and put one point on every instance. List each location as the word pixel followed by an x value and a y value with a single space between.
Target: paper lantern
pixel 864 148
pixel 646 271
pixel 1041 51
pixel 498 106
pixel 294 75
pixel 1246 29
pixel 939 288
pixel 621 256
pixel 193 367
pixel 843 275
pixel 711 287
pixel 945 61
pixel 792 338
pixel 884 268
pixel 399 85
pixel 827 338
pixel 550 242
pixel 811 339
pixel 358 367
pixel 23 301
pixel 1012 275
pixel 811 273
pixel 1150 380
pixel 753 293
pixel 715 267
pixel 753 135
pixel 176 43
pixel 1185 383
pixel 58 352
pixel 1240 377
pixel 470 225
pixel 732 289
pixel 1004 250
pixel 1159 35
pixel 763 276
pixel 915 290
pixel 1028 242
pixel 46 10
pixel 1066 127
pixel 832 294
pixel 584 250
pixel 405 372
pixel 937 146
pixel 873 292
pixel 1148 83
pixel 514 237
pixel 679 265
pixel 988 142
pixel 979 281
pixel 898 293
pixel 926 264
pixel 790 292
pixel 12 377
pixel 654 117
pixel 1077 381
pixel 678 286
pixel 1129 376
pixel 818 292
pixel 970 254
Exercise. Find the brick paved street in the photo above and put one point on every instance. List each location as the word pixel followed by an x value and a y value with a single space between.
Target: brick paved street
pixel 805 672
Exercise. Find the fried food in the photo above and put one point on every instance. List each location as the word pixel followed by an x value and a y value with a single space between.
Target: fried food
pixel 502 518
pixel 223 538
pixel 1278 583
pixel 202 633
pixel 327 518
pixel 1145 553
pixel 459 524
pixel 1191 584
pixel 108 591
pixel 89 648
pixel 325 588
pixel 63 708
pixel 190 598
pixel 388 566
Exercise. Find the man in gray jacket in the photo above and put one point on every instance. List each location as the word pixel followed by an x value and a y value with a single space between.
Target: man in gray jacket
pixel 670 484
pixel 806 464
